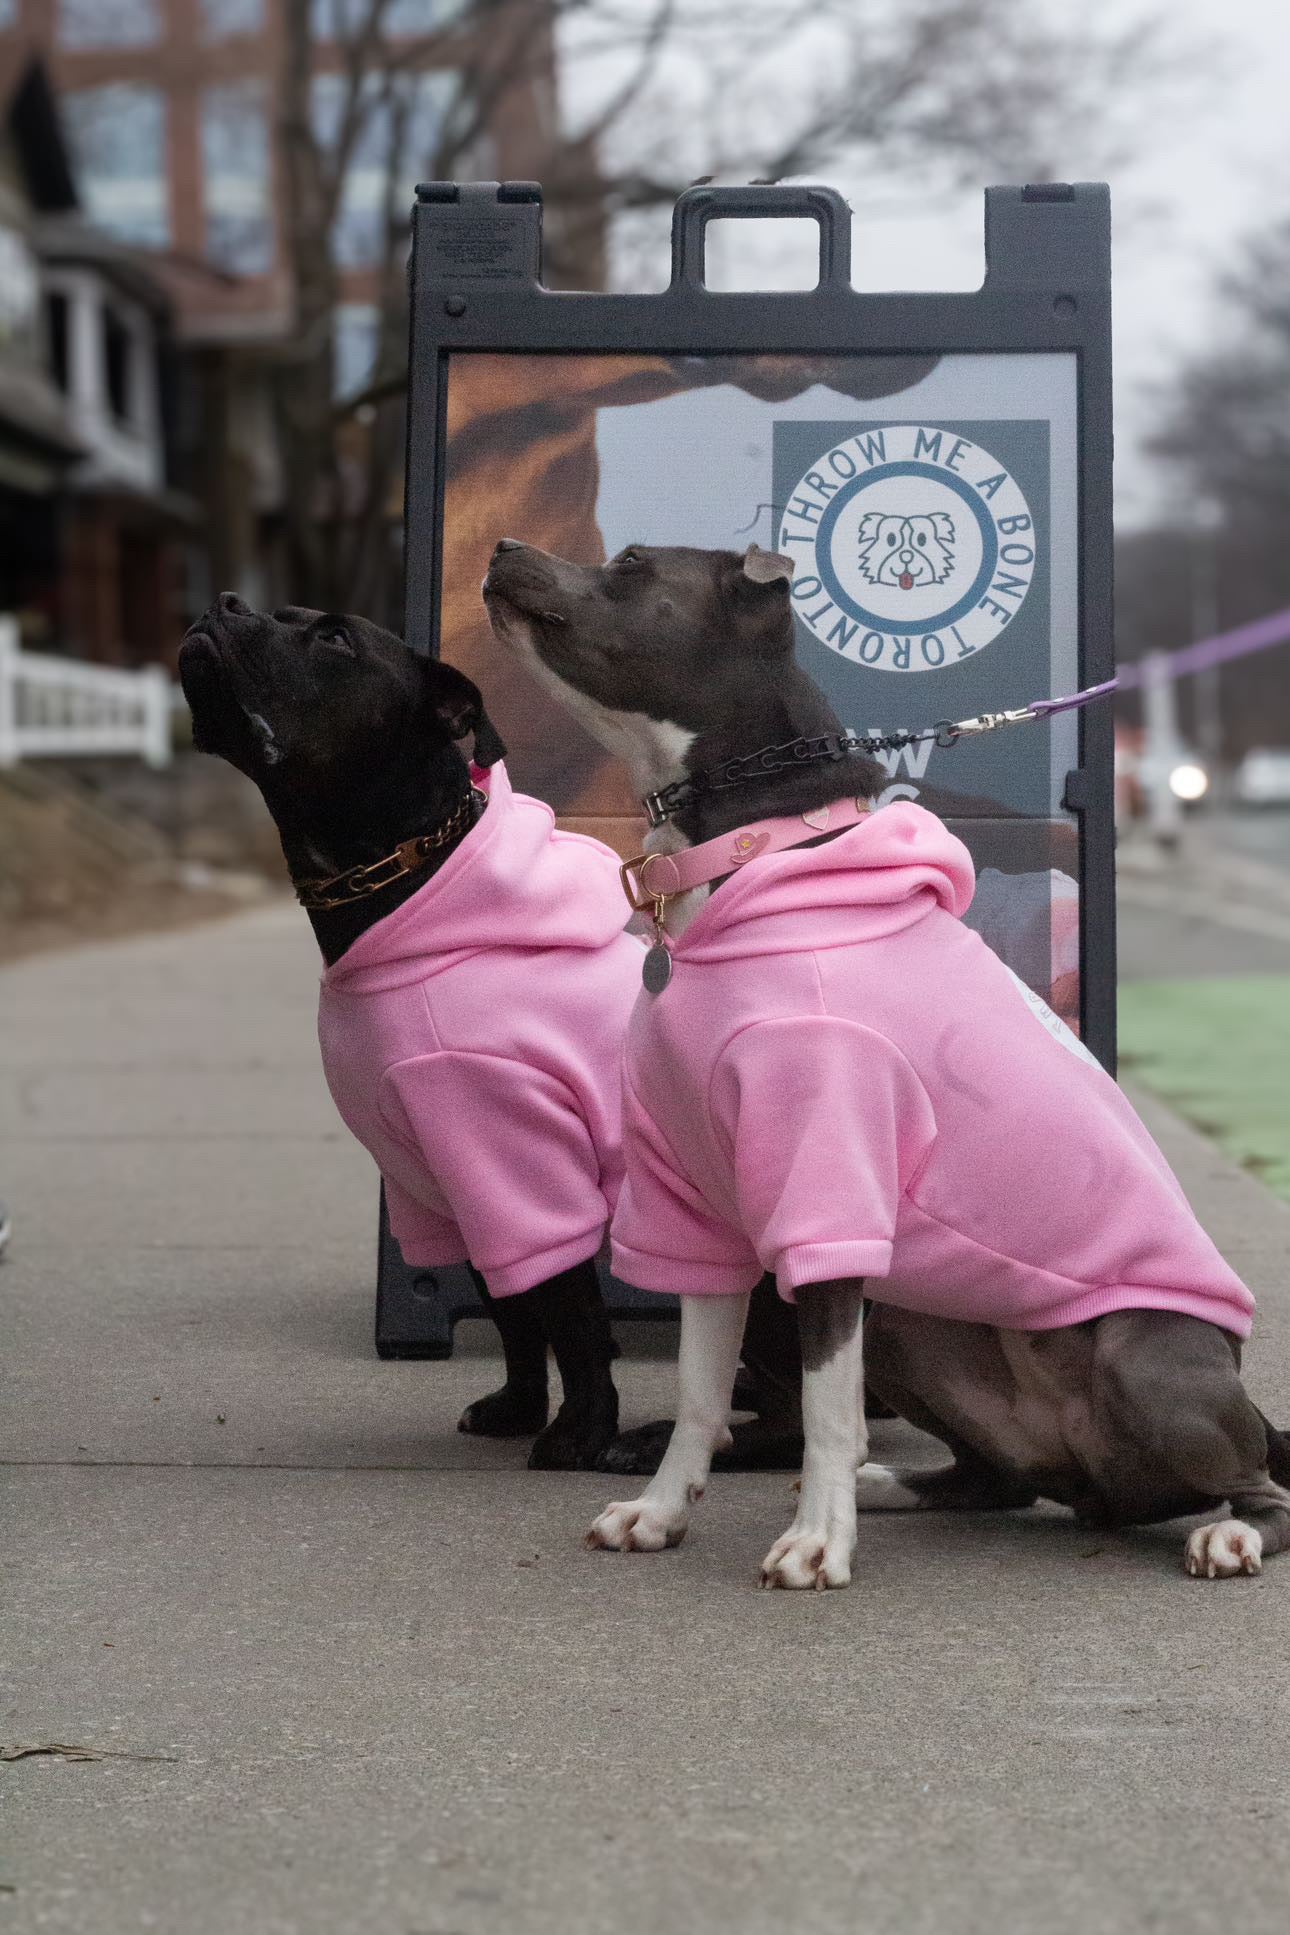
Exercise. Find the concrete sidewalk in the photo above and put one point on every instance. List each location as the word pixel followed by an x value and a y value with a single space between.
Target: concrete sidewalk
pixel 352 1671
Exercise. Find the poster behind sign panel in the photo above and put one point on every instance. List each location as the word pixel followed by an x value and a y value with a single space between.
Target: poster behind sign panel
pixel 584 454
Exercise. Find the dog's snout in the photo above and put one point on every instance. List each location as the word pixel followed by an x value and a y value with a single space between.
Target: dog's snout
pixel 507 544
pixel 232 606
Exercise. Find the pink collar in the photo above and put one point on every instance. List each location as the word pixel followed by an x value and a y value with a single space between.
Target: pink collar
pixel 655 877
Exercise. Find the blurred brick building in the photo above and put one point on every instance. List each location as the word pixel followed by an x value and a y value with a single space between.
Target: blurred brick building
pixel 91 533
pixel 170 110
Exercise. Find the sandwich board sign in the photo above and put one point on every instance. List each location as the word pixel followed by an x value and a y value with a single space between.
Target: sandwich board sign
pixel 938 467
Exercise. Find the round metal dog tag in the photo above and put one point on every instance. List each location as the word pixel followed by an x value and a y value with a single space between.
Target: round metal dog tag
pixel 657 971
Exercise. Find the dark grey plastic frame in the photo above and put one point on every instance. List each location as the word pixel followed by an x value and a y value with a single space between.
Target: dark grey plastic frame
pixel 476 283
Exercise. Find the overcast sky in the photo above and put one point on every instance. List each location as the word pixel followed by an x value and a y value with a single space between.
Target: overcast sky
pixel 1203 179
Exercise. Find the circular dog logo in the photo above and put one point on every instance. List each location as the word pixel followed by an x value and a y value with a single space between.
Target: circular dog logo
pixel 913 547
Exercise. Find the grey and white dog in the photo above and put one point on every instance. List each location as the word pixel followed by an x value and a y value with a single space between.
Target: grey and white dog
pixel 679 659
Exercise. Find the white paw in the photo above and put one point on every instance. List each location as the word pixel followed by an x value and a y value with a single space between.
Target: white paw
pixel 878 1489
pixel 810 1557
pixel 636 1527
pixel 1224 1550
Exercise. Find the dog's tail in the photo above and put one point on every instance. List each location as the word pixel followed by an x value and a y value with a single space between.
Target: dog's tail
pixel 1278 1453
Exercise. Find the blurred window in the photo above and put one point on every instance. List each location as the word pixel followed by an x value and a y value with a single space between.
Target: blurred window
pixel 225 18
pixel 19 288
pixel 8 13
pixel 57 335
pixel 414 103
pixel 236 177
pixel 117 136
pixel 342 19
pixel 354 334
pixel 335 19
pixel 108 23
pixel 116 366
pixel 420 16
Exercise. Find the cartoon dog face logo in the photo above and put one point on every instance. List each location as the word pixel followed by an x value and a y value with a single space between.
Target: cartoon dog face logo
pixel 906 551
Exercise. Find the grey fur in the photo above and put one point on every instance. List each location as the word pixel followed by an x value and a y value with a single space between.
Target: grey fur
pixel 828 1316
pixel 1132 1418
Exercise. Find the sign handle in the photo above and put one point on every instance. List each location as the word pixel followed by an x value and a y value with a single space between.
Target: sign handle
pixel 699 206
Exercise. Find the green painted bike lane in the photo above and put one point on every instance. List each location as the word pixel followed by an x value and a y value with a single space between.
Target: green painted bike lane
pixel 1218 1051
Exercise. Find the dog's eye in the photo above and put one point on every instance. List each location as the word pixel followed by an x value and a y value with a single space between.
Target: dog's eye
pixel 891 537
pixel 922 538
pixel 628 557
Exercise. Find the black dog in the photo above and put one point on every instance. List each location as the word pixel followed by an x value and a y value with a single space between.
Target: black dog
pixel 354 743
pixel 682 660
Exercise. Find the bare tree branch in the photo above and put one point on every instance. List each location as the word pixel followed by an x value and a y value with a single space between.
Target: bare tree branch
pixel 667 90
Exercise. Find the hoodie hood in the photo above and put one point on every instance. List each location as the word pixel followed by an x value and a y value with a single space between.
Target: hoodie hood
pixel 514 882
pixel 874 880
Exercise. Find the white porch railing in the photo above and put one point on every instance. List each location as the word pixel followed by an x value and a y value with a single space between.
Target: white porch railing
pixel 61 707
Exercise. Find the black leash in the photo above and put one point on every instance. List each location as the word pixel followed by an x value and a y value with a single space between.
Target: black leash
pixel 740 771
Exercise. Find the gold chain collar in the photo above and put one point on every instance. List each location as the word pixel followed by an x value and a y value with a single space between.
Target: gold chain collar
pixel 342 889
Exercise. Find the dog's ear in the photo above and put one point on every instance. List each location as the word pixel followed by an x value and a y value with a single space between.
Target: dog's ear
pixel 489 746
pixel 767 567
pixel 761 588
pixel 459 706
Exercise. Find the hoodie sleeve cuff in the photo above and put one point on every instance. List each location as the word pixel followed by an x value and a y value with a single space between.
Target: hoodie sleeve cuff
pixel 512 1279
pixel 672 1276
pixel 826 1262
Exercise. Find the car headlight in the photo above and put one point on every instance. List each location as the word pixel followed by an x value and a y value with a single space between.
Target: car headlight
pixel 1188 781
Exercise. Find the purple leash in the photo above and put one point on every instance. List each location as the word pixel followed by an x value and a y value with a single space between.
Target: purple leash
pixel 949 731
pixel 1257 636
pixel 1039 707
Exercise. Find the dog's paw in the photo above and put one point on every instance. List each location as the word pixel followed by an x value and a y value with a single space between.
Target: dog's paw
pixel 879 1489
pixel 636 1527
pixel 512 1412
pixel 638 1453
pixel 1224 1551
pixel 578 1435
pixel 809 1558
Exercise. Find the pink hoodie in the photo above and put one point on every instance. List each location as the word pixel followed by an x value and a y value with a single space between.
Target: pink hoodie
pixel 842 1080
pixel 472 1042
